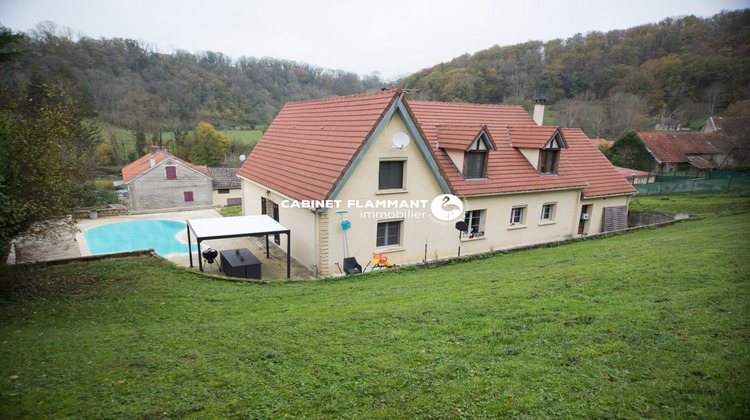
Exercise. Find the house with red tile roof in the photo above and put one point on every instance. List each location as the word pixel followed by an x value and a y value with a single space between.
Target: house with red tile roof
pixel 404 172
pixel 635 176
pixel 160 180
pixel 704 150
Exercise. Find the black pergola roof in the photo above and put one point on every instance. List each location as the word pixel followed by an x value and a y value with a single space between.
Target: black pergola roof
pixel 235 227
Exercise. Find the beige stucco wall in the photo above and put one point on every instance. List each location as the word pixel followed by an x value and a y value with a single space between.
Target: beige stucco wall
pixel 416 227
pixel 532 155
pixel 595 224
pixel 221 199
pixel 500 234
pixel 153 190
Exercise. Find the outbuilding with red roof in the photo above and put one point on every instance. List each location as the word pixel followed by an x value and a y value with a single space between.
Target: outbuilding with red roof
pixel 160 180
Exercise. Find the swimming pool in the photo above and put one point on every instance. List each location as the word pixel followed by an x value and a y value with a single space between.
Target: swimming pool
pixel 132 236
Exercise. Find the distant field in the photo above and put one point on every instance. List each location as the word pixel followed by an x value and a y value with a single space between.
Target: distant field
pixel 649 324
pixel 126 137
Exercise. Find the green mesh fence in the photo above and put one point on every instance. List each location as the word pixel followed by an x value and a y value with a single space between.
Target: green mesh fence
pixel 712 182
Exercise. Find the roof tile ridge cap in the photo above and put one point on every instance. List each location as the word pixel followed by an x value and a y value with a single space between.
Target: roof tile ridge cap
pixel 363 94
pixel 468 104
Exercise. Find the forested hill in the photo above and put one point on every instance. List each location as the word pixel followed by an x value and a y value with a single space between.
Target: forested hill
pixel 677 65
pixel 128 83
pixel 683 68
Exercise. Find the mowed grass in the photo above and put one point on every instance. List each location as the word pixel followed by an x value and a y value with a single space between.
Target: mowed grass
pixel 650 324
pixel 697 205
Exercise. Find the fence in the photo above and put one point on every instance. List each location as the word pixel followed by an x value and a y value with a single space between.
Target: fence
pixel 711 182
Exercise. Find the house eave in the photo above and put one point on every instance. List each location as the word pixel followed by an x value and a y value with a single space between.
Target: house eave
pixel 577 187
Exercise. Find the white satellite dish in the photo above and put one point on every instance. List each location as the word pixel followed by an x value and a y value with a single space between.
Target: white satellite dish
pixel 242 158
pixel 400 140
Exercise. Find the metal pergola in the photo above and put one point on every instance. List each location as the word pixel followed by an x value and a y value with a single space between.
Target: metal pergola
pixel 236 227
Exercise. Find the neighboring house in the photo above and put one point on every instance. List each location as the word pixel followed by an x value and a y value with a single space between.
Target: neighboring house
pixel 634 176
pixel 733 126
pixel 159 180
pixel 227 189
pixel 598 142
pixel 396 166
pixel 668 124
pixel 701 150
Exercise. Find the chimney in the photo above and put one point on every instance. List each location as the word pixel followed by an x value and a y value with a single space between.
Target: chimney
pixel 539 111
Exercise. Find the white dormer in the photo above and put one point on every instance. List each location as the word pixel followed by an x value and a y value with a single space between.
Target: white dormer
pixel 468 147
pixel 539 145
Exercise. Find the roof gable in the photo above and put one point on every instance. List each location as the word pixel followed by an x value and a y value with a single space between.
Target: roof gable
pixel 311 147
pixel 533 137
pixel 143 165
pixel 462 137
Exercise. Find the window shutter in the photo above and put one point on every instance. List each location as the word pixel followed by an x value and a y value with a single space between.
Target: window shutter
pixel 615 218
pixel 171 172
pixel 188 196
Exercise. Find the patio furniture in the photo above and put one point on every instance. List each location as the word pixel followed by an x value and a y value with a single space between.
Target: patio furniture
pixel 240 263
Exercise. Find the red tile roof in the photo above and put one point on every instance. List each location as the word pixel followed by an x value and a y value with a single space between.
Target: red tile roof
pixel 601 175
pixel 461 137
pixel 143 164
pixel 599 142
pixel 730 125
pixel 674 147
pixel 627 172
pixel 310 145
pixel 530 136
pixel 507 169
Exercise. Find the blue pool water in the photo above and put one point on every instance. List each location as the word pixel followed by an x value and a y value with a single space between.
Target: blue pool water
pixel 132 236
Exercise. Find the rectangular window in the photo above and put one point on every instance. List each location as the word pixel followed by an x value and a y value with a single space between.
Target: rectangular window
pixel 516 215
pixel 475 220
pixel 389 234
pixel 188 196
pixel 223 191
pixel 475 162
pixel 548 212
pixel 548 161
pixel 171 172
pixel 391 175
pixel 263 206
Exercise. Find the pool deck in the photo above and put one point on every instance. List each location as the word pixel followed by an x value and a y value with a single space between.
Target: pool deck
pixel 73 245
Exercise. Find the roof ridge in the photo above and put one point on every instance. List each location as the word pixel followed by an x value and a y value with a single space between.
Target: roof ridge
pixel 468 104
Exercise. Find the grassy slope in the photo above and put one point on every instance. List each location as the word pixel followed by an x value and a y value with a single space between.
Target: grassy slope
pixel 650 324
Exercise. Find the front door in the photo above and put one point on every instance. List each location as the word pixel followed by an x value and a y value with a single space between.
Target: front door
pixel 276 236
pixel 582 222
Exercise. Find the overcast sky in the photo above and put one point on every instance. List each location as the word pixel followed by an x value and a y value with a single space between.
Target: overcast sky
pixel 391 37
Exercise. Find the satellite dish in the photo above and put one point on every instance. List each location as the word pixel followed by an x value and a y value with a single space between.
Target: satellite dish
pixel 400 140
pixel 242 158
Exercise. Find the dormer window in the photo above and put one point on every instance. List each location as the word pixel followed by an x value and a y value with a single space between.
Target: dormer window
pixel 476 158
pixel 549 156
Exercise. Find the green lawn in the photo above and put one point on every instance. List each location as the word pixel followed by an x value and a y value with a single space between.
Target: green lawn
pixel 697 205
pixel 654 323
